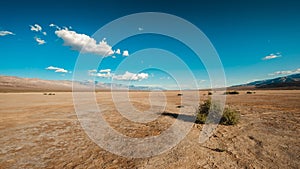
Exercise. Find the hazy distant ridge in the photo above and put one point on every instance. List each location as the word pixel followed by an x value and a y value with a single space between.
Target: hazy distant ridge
pixel 17 84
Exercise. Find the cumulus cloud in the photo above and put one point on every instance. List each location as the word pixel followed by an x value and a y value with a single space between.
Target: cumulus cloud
pixel 285 72
pixel 114 57
pixel 57 69
pixel 118 51
pixel 4 33
pixel 84 43
pixel 272 56
pixel 125 53
pixel 36 28
pixel 39 41
pixel 131 76
pixel 140 29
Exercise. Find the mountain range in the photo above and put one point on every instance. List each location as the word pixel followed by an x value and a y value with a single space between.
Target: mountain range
pixel 284 82
pixel 17 84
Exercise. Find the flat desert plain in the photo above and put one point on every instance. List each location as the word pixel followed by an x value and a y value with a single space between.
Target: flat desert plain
pixel 42 131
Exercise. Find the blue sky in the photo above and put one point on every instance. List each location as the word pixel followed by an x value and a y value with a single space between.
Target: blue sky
pixel 254 39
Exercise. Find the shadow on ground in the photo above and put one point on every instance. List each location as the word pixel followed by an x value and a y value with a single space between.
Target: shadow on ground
pixel 183 117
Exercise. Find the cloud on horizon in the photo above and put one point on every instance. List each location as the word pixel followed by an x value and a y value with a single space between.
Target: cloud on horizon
pixel 4 33
pixel 84 43
pixel 285 72
pixel 127 76
pixel 57 69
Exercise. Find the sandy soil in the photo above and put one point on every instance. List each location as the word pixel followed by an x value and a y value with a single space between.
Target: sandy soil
pixel 42 131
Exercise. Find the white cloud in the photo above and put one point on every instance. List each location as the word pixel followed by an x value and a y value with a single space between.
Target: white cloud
pixel 285 72
pixel 84 43
pixel 106 73
pixel 4 33
pixel 140 29
pixel 52 68
pixel 103 75
pixel 118 51
pixel 39 41
pixel 272 56
pixel 36 28
pixel 105 70
pixel 57 69
pixel 53 25
pixel 114 57
pixel 61 71
pixel 125 53
pixel 131 76
pixel 202 81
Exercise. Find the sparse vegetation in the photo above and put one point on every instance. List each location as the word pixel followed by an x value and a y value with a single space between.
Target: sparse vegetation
pixel 231 92
pixel 179 94
pixel 209 93
pixel 249 92
pixel 229 116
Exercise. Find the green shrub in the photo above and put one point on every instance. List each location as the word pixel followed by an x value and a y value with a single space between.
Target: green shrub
pixel 229 116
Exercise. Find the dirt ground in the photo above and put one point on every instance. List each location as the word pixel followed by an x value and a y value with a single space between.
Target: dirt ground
pixel 42 131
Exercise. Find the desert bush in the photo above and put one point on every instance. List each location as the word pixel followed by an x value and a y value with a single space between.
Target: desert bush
pixel 249 92
pixel 231 92
pixel 229 116
pixel 209 93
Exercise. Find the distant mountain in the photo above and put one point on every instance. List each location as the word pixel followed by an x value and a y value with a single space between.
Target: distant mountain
pixel 17 84
pixel 285 82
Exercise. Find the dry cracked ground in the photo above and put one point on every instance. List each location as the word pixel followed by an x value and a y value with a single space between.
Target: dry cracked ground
pixel 42 131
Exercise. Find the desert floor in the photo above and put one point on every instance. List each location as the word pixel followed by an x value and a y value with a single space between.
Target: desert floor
pixel 42 131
